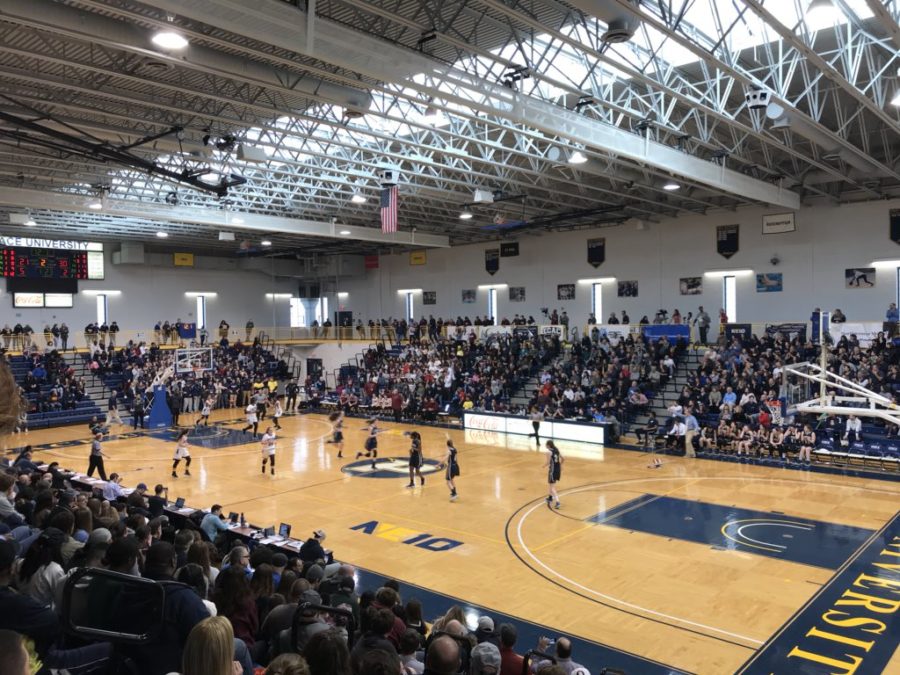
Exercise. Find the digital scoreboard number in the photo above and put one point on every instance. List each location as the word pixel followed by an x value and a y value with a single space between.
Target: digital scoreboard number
pixel 47 263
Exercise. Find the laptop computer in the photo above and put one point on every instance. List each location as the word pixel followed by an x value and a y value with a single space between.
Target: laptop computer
pixel 233 518
pixel 269 531
pixel 179 503
pixel 284 530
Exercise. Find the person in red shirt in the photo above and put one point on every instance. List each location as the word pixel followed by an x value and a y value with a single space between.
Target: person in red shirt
pixel 510 662
pixel 397 405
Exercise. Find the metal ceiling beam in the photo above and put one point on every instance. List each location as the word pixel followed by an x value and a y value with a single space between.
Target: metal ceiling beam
pixel 22 198
pixel 282 25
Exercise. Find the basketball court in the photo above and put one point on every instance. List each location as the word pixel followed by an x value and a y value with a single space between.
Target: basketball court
pixel 696 566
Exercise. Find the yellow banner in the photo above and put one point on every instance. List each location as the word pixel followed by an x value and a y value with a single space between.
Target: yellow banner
pixel 417 257
pixel 184 259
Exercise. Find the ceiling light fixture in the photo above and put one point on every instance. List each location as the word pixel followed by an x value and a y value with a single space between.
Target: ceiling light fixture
pixel 169 39
pixel 896 100
pixel 466 215
pixel 95 204
pixel 30 222
pixel 265 242
pixel 162 235
pixel 577 157
pixel 671 186
pixel 821 14
pixel 345 232
pixel 358 199
pixel 237 220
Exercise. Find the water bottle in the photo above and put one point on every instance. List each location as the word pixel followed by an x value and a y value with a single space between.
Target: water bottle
pixel 243 522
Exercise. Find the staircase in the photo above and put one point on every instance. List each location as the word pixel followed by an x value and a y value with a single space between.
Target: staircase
pixel 672 390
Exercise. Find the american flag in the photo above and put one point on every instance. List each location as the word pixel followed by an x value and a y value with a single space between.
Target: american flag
pixel 389 209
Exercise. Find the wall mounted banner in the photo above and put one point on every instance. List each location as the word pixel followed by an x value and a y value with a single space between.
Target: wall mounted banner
pixel 517 294
pixel 596 250
pixel 788 330
pixel 429 297
pixel 509 249
pixel 492 261
pixel 727 240
pixel 525 332
pixel 371 262
pixel 895 226
pixel 739 331
pixel 417 257
pixel 778 223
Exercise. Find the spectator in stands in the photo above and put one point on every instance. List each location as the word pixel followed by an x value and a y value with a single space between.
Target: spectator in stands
pixel 209 649
pixel 837 316
pixel 377 624
pixel 442 657
pixel 413 618
pixel 510 662
pixel 409 645
pixel 288 664
pixel 326 653
pixel 158 502
pixel 485 659
pixel 42 567
pixel 280 617
pixel 14 658
pixel 563 655
pixel 113 488
pixel 234 600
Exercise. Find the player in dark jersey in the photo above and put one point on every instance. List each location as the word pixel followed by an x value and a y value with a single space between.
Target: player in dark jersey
pixel 554 471
pixel 416 458
pixel 452 467
pixel 371 446
pixel 337 431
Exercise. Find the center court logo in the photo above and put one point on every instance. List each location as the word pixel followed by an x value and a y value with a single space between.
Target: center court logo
pixel 388 467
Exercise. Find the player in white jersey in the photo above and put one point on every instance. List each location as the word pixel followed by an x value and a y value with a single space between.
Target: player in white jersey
pixel 182 452
pixel 267 443
pixel 252 421
pixel 277 413
pixel 204 412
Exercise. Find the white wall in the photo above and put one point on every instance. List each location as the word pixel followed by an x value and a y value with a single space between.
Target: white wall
pixel 827 240
pixel 152 293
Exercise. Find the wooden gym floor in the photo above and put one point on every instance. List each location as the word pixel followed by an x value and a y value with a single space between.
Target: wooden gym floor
pixel 695 565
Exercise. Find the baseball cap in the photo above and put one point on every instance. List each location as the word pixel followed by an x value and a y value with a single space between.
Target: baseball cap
pixel 99 536
pixel 485 655
pixel 485 623
pixel 319 534
pixel 141 486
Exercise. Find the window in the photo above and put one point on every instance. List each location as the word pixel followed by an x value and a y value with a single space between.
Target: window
pixel 298 313
pixel 322 310
pixel 102 309
pixel 492 305
pixel 201 312
pixel 729 298
pixel 597 302
pixel 409 307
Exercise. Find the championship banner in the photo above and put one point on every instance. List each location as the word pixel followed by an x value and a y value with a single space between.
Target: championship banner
pixel 727 240
pixel 865 332
pixel 525 332
pixel 788 330
pixel 548 331
pixel 895 226
pixel 492 261
pixel 596 251
pixel 509 249
pixel 741 331
pixel 488 332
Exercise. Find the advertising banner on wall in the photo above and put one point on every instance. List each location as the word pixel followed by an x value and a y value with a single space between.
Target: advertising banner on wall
pixel 741 331
pixel 615 333
pixel 547 331
pixel 525 332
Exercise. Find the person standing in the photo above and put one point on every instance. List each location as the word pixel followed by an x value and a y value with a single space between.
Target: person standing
pixel 113 332
pixel 452 466
pixel 292 389
pixel 416 459
pixel 268 450
pixel 176 400
pixel 205 412
pixel 252 421
pixel 691 429
pixel 537 416
pixel 249 328
pixel 337 431
pixel 554 472
pixel 702 322
pixel 139 410
pixel 182 452
pixel 277 413
pixel 95 462
pixel 64 335
pixel 112 408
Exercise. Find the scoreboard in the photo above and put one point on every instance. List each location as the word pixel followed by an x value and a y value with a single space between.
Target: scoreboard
pixel 49 263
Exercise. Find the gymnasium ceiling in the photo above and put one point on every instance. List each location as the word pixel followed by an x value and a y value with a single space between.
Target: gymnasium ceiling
pixel 455 95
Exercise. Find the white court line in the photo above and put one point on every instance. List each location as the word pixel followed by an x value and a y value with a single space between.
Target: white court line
pixel 740 531
pixel 640 608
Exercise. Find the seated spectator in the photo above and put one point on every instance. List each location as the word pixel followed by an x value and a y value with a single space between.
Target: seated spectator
pixel 21 612
pixel 327 652
pixel 485 659
pixel 377 624
pixel 234 600
pixel 42 567
pixel 563 655
pixel 14 658
pixel 306 624
pixel 510 662
pixel 209 649
pixel 288 664
pixel 410 642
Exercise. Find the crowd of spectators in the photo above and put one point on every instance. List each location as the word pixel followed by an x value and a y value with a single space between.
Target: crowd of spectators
pixel 230 606
pixel 50 384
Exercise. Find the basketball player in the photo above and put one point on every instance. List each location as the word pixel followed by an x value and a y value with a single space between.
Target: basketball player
pixel 182 452
pixel 252 421
pixel 416 459
pixel 807 443
pixel 277 412
pixel 452 467
pixel 554 472
pixel 205 411
pixel 337 431
pixel 268 450
pixel 371 446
